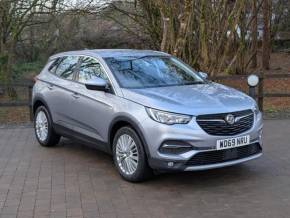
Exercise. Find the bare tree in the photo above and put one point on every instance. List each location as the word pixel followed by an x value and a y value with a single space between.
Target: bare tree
pixel 15 16
pixel 19 20
pixel 210 35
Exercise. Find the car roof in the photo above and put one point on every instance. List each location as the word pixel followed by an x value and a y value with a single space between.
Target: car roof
pixel 105 53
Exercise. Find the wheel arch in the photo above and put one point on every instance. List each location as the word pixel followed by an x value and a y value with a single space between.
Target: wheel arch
pixel 37 102
pixel 120 122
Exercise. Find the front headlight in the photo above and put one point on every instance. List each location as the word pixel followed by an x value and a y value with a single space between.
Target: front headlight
pixel 167 117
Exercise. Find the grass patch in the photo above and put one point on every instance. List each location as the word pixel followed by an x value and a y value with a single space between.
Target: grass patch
pixel 26 70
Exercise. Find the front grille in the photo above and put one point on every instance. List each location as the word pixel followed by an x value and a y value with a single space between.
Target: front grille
pixel 219 156
pixel 215 124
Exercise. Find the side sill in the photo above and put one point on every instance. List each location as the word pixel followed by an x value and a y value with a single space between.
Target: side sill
pixel 89 141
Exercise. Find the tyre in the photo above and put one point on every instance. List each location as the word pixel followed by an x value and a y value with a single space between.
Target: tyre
pixel 129 156
pixel 44 132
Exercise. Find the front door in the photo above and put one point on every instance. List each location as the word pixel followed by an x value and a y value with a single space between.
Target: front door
pixel 93 109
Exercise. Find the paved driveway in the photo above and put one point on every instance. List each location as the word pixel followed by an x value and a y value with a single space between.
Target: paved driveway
pixel 71 180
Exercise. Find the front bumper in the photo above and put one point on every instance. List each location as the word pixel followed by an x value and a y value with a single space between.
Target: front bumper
pixel 224 164
pixel 216 159
pixel 156 134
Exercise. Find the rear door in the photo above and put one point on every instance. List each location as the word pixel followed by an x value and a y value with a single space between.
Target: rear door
pixel 61 90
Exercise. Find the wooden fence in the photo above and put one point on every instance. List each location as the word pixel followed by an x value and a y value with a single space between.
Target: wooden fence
pixel 261 94
pixel 19 103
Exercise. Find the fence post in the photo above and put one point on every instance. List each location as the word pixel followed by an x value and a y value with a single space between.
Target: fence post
pixel 261 91
pixel 30 102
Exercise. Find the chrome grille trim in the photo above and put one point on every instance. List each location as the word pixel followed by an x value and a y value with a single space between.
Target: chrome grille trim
pixel 215 124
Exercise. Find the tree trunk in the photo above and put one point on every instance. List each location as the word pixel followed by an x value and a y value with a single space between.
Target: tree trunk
pixel 254 34
pixel 203 35
pixel 184 21
pixel 164 41
pixel 240 68
pixel 7 60
pixel 266 35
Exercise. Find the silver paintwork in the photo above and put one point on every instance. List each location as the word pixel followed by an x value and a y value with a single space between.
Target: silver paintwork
pixel 127 154
pixel 92 112
pixel 97 82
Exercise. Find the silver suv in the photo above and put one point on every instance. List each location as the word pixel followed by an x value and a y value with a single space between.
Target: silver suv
pixel 146 108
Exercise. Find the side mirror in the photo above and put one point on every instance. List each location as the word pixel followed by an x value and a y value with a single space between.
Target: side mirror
pixel 97 84
pixel 203 75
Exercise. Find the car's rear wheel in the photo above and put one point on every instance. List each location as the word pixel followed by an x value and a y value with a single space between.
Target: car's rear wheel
pixel 129 155
pixel 44 132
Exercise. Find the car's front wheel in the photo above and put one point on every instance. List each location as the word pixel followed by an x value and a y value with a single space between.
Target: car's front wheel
pixel 129 156
pixel 44 132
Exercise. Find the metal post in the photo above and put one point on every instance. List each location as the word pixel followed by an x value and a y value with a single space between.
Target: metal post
pixel 252 92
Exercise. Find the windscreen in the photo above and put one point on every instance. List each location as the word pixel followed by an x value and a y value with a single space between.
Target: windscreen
pixel 151 71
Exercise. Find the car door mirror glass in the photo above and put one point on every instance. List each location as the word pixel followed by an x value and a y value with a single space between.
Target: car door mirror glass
pixel 97 84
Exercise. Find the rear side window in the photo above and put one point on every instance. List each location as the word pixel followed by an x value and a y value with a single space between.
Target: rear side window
pixel 64 67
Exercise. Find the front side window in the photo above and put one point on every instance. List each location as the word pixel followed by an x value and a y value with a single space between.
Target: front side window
pixel 90 69
pixel 151 71
pixel 66 67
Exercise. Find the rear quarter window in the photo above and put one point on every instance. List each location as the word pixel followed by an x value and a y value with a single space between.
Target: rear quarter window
pixel 64 67
pixel 52 68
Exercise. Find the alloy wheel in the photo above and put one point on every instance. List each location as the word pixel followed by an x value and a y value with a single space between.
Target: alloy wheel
pixel 127 154
pixel 41 126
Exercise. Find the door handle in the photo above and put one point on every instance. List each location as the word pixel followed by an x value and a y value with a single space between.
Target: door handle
pixel 50 87
pixel 76 95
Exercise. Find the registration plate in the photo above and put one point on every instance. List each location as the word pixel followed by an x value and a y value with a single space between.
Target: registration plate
pixel 232 142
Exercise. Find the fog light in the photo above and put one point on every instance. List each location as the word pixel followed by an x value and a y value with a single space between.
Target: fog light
pixel 170 164
pixel 175 147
